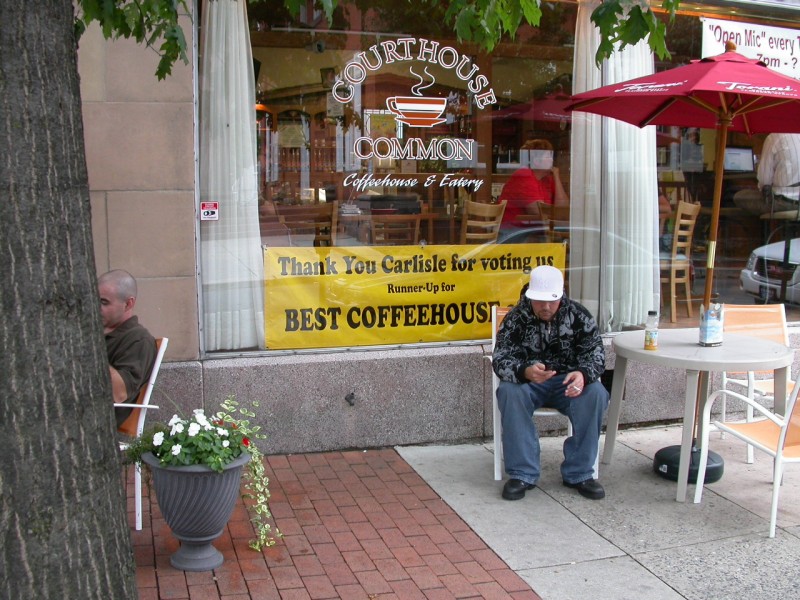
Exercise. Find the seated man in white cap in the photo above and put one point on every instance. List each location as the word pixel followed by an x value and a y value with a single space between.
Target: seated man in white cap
pixel 549 353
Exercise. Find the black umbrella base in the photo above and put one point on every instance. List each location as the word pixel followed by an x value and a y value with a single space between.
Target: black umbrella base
pixel 667 461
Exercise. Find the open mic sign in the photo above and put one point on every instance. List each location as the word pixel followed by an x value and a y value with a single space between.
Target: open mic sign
pixel 209 211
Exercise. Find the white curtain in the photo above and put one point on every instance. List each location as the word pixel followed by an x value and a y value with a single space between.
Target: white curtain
pixel 232 263
pixel 615 219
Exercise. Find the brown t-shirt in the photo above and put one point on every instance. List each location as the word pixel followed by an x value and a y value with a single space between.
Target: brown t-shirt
pixel 132 352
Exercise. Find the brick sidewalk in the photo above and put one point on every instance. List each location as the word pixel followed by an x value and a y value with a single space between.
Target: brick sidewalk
pixel 356 525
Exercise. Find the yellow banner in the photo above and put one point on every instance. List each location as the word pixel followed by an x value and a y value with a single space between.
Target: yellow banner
pixel 377 295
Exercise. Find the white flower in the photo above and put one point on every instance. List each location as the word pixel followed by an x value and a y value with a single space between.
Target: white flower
pixel 194 429
pixel 176 449
pixel 158 438
pixel 222 432
pixel 176 428
pixel 173 420
pixel 225 443
pixel 201 418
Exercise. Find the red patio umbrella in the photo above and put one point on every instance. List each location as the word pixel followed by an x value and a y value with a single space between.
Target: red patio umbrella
pixel 724 92
pixel 550 108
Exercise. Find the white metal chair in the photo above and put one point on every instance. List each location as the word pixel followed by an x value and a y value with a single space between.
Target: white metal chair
pixel 498 314
pixel 133 425
pixel 766 321
pixel 776 435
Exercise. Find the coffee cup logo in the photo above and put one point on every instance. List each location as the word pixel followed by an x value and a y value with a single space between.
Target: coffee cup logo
pixel 417 111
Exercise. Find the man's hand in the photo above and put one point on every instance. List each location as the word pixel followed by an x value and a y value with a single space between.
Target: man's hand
pixel 574 382
pixel 537 373
pixel 118 389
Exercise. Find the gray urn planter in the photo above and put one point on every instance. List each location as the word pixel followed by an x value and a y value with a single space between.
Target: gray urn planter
pixel 196 503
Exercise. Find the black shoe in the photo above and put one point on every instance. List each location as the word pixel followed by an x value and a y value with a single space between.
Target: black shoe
pixel 514 489
pixel 590 488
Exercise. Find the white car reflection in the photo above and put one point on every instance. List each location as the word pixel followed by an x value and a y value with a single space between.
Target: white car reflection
pixel 762 275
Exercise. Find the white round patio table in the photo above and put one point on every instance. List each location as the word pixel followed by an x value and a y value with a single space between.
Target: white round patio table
pixel 679 348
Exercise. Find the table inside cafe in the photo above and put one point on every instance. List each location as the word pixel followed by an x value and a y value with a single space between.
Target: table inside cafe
pixel 435 228
pixel 679 349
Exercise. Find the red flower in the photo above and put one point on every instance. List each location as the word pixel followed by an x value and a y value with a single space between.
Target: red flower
pixel 246 441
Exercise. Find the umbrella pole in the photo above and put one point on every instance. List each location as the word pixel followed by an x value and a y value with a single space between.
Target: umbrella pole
pixel 670 456
pixel 719 158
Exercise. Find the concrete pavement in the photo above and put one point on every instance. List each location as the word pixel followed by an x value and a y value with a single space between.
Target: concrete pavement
pixel 638 542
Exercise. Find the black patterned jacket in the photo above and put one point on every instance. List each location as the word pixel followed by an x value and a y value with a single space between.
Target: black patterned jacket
pixel 569 342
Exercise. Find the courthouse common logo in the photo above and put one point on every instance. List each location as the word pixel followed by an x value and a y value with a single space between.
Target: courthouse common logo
pixel 415 109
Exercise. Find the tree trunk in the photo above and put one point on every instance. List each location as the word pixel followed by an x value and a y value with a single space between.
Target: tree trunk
pixel 62 508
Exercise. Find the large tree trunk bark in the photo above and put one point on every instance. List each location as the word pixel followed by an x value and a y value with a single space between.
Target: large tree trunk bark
pixel 62 508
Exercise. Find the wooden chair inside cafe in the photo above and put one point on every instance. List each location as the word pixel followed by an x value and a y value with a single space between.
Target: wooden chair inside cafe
pixel 556 220
pixel 318 220
pixel 480 223
pixel 395 229
pixel 676 265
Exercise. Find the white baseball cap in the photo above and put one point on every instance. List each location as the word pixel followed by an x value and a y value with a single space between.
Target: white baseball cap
pixel 547 284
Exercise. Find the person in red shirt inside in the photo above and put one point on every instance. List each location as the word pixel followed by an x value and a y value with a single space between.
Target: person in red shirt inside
pixel 538 183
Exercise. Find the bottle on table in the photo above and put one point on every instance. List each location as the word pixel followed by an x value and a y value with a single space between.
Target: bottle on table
pixel 651 331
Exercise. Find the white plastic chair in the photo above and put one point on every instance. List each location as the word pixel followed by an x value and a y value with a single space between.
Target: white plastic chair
pixel 766 321
pixel 133 425
pixel 498 314
pixel 776 435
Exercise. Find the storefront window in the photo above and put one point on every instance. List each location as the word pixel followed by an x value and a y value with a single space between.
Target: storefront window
pixel 749 253
pixel 376 136
pixel 375 142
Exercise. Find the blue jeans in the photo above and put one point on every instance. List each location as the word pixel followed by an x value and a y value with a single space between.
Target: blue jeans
pixel 521 438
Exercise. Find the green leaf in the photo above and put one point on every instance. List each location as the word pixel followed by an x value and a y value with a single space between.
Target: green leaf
pixel 294 6
pixel 328 7
pixel 604 50
pixel 606 15
pixel 658 41
pixel 531 11
pixel 464 23
pixel 154 22
pixel 628 29
pixel 636 27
